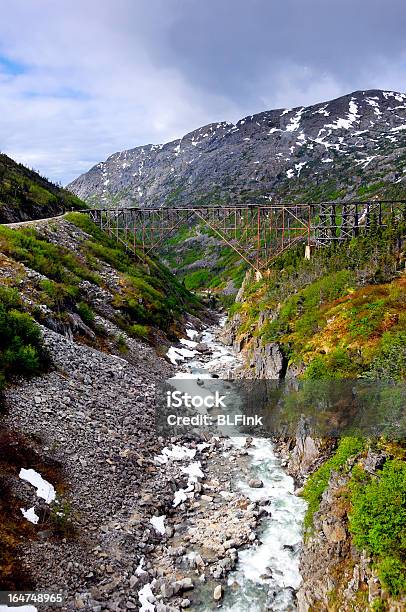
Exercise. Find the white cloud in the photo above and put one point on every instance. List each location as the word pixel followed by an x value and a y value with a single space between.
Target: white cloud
pixel 100 76
pixel 88 89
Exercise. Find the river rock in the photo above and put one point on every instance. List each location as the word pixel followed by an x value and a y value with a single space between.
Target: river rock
pixel 185 584
pixel 202 348
pixel 167 590
pixel 185 603
pixel 255 483
pixel 218 592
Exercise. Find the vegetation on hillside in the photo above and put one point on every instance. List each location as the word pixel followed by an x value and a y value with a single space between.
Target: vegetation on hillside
pixel 318 481
pixel 21 349
pixel 24 194
pixel 148 295
pixel 341 314
pixel 378 520
pixel 203 265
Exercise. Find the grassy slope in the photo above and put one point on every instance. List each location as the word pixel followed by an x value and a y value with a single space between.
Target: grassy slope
pixel 188 261
pixel 148 295
pixel 24 194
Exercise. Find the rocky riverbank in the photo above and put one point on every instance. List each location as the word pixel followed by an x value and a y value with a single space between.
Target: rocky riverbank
pixel 92 418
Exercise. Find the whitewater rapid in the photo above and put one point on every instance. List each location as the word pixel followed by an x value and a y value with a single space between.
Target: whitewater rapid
pixel 267 574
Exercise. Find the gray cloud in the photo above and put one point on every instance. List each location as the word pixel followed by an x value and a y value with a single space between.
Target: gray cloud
pixel 84 78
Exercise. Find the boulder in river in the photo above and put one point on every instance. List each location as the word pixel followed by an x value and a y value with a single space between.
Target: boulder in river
pixel 255 483
pixel 218 592
pixel 202 348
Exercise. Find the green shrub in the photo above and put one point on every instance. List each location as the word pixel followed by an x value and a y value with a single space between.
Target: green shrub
pixel 58 295
pixel 392 574
pixel 21 359
pixel 338 363
pixel 378 522
pixel 122 344
pixel 9 297
pixel 21 349
pixel 378 515
pixel 139 331
pixel 198 279
pixel 234 308
pixel 370 319
pixel 390 361
pixel 318 481
pixel 85 313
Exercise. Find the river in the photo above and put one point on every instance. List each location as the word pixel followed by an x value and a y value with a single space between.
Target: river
pixel 267 573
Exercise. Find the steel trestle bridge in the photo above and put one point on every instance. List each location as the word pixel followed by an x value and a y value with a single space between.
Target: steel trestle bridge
pixel 258 233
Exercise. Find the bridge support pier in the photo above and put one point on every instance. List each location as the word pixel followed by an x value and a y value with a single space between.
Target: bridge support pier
pixel 307 251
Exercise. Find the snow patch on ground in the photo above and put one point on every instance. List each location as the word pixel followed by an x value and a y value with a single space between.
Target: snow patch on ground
pixel 399 128
pixel 191 333
pixel 158 523
pixel 177 453
pixel 30 515
pixel 44 488
pixel 299 167
pixel 140 571
pixel 375 105
pixel 193 471
pixel 346 124
pixel 179 354
pixel 294 124
pixel 144 597
pixel 179 497
pixel 189 343
pixel 322 111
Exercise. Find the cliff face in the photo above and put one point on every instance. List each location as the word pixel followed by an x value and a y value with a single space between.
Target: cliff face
pixel 349 147
pixel 336 574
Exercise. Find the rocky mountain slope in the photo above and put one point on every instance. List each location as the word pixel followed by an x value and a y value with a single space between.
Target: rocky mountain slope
pixel 350 147
pixel 24 194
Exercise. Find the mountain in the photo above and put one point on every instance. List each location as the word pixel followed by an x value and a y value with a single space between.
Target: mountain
pixel 350 147
pixel 24 194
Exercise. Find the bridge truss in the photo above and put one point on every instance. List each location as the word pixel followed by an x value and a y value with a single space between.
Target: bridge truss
pixel 258 233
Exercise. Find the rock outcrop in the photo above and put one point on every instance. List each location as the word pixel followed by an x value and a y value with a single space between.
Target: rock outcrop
pixel 268 361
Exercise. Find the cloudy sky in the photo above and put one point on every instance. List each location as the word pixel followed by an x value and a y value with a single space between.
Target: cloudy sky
pixel 81 79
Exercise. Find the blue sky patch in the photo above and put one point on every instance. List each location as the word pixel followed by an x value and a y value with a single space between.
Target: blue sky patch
pixel 9 66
